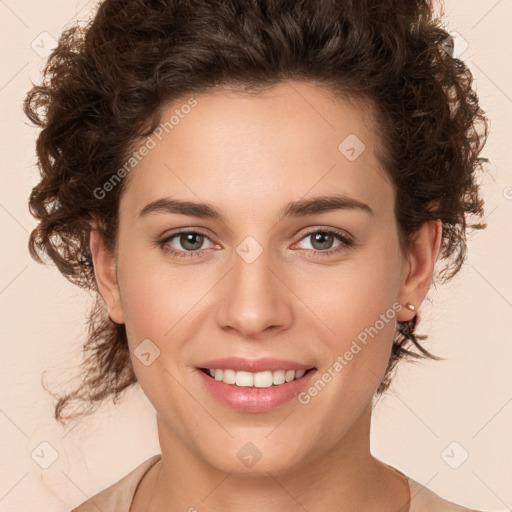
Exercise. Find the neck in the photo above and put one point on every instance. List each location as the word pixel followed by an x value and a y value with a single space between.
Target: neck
pixel 344 477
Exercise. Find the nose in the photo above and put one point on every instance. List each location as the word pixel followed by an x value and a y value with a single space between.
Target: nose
pixel 255 297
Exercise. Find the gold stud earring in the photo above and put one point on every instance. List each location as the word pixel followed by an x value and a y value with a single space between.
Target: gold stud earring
pixel 410 306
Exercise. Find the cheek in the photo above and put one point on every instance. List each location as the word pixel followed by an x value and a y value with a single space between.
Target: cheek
pixel 358 308
pixel 161 308
pixel 351 296
pixel 153 304
pixel 154 295
pixel 355 357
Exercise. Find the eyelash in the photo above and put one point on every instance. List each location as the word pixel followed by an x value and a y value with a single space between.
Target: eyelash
pixel 346 243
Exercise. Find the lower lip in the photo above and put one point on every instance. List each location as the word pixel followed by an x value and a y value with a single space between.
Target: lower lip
pixel 250 399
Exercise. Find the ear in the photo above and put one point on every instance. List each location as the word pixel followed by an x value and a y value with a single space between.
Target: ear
pixel 418 270
pixel 105 273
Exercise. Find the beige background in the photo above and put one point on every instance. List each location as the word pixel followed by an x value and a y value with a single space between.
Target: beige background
pixel 467 398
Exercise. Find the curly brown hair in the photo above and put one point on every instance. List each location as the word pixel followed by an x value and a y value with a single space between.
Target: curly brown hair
pixel 106 83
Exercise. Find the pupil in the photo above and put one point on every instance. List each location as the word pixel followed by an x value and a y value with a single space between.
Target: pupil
pixel 189 236
pixel 318 238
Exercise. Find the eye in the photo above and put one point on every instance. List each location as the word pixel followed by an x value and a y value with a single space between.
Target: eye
pixel 191 241
pixel 322 241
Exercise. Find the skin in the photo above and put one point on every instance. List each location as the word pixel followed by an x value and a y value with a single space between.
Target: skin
pixel 249 156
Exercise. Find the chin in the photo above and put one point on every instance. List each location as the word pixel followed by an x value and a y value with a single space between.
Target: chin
pixel 247 458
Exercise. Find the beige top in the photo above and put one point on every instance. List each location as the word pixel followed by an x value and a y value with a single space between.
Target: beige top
pixel 119 496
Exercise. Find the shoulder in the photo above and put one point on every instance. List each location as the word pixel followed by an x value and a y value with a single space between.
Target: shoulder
pixel 425 500
pixel 119 496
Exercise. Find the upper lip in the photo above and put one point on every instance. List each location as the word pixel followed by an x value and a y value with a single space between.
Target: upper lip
pixel 253 365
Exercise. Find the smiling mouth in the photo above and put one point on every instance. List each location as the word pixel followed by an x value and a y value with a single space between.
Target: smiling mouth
pixel 264 379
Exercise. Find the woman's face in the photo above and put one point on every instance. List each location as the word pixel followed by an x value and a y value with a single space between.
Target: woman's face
pixel 262 278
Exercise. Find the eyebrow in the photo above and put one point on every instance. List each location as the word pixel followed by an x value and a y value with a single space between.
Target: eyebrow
pixel 300 208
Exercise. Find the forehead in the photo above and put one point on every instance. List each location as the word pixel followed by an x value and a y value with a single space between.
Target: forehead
pixel 245 149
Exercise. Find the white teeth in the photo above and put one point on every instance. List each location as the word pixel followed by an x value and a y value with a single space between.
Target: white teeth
pixel 263 379
pixel 229 376
pixel 278 377
pixel 244 379
pixel 299 373
pixel 289 375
